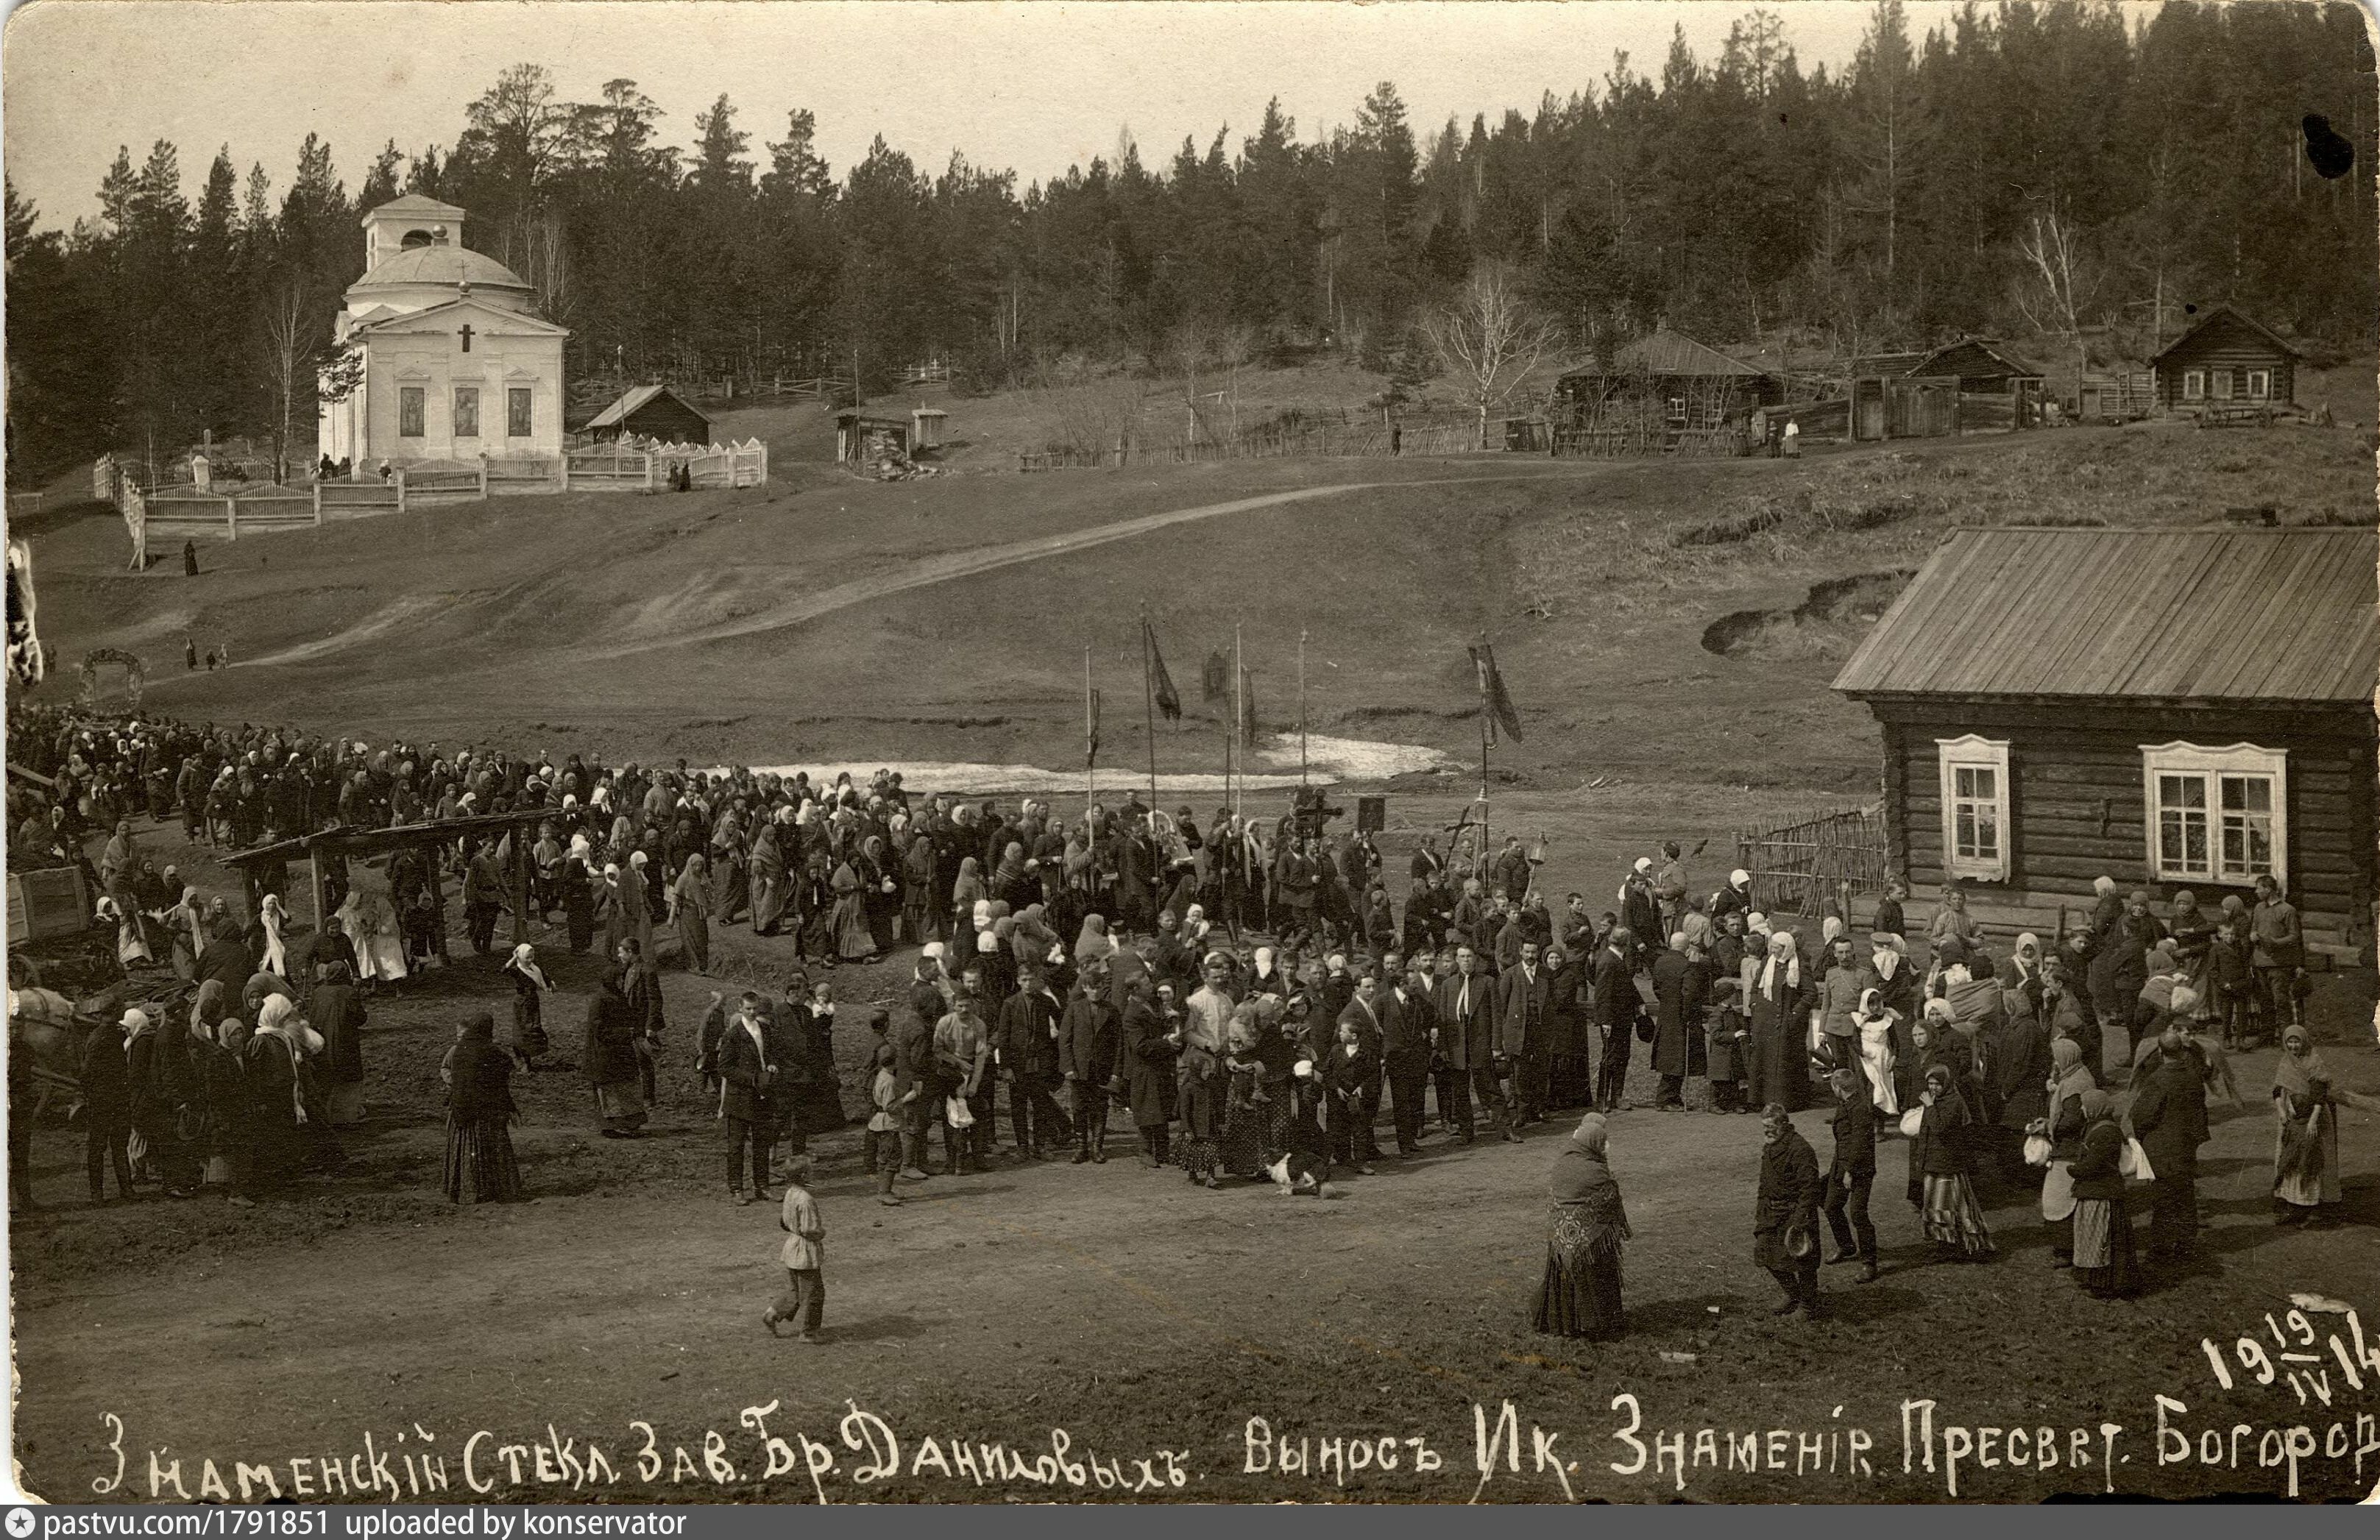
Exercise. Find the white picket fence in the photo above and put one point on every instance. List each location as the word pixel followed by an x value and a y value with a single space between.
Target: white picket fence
pixel 172 514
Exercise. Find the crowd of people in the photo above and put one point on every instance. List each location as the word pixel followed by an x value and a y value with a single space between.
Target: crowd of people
pixel 1245 995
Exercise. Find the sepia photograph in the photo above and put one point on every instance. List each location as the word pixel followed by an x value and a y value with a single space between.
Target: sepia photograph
pixel 1743 870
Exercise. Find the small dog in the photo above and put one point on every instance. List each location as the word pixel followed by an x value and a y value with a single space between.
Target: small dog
pixel 1298 1172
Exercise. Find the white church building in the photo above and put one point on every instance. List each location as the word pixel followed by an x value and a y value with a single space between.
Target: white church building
pixel 454 366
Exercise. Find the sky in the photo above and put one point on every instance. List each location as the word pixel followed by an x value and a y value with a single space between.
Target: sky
pixel 1030 85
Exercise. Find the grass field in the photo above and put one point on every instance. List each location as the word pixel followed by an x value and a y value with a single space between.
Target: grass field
pixel 1669 631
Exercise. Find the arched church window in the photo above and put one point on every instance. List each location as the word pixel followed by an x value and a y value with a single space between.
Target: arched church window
pixel 414 238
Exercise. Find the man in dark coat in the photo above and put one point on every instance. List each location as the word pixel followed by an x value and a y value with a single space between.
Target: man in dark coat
pixel 1853 1175
pixel 1087 1057
pixel 225 960
pixel 1679 984
pixel 1407 1033
pixel 1365 1012
pixel 1523 1015
pixel 1467 1039
pixel 2169 1117
pixel 1027 1036
pixel 608 1059
pixel 1145 1065
pixel 483 897
pixel 913 1072
pixel 107 1108
pixel 1785 1215
pixel 1616 1006
pixel 749 1076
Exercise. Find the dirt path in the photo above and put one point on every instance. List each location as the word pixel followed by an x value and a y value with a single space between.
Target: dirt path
pixel 1141 1314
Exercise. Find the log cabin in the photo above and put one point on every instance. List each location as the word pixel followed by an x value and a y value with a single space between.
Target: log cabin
pixel 2227 359
pixel 2175 708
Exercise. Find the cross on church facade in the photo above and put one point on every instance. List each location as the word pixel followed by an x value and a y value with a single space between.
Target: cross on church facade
pixel 467 337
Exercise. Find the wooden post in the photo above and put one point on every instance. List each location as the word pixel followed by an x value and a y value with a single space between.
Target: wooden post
pixel 400 492
pixel 483 479
pixel 648 472
pixel 564 461
pixel 318 885
pixel 520 885
pixel 231 516
pixel 317 505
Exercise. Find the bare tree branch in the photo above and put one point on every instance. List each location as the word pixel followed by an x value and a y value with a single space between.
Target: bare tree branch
pixel 1486 337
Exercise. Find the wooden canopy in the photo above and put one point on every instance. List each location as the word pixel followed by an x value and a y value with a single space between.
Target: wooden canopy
pixel 343 841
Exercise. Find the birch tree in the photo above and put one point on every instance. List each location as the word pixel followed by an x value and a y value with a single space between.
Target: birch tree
pixel 1489 339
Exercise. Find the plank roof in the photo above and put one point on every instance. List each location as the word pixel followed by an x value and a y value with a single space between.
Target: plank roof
pixel 2201 613
pixel 619 411
pixel 1669 352
pixel 2225 313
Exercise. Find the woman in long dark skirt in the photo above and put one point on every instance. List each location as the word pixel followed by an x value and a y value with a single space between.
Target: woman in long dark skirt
pixel 1199 1099
pixel 480 1166
pixel 530 1039
pixel 1580 1293
pixel 577 905
pixel 2104 1260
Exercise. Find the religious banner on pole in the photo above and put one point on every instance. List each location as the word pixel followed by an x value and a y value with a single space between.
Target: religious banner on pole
pixel 1247 708
pixel 1091 730
pixel 1494 702
pixel 1215 680
pixel 1169 703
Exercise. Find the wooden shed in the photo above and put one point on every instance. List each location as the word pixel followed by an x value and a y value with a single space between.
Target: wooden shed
pixel 2175 708
pixel 1979 366
pixel 651 412
pixel 2228 358
pixel 861 438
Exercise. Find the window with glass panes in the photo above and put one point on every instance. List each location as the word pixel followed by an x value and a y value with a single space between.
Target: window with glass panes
pixel 1974 808
pixel 2217 814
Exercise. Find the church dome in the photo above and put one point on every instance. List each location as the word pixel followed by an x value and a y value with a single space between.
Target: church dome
pixel 442 266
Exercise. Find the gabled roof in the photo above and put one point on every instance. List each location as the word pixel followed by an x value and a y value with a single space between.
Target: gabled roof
pixel 619 411
pixel 2204 613
pixel 512 320
pixel 2014 366
pixel 2251 322
pixel 413 204
pixel 1668 352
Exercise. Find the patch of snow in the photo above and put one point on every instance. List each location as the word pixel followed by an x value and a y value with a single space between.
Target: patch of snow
pixel 1331 760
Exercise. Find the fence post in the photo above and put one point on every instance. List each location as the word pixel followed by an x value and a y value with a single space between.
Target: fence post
pixel 231 516
pixel 561 463
pixel 764 462
pixel 400 491
pixel 649 473
pixel 483 480
pixel 317 505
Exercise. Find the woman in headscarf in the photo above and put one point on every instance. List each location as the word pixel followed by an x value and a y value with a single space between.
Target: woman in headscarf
pixel 1093 944
pixel 575 888
pixel 336 1012
pixel 1941 1167
pixel 274 1072
pixel 853 940
pixel 480 1166
pixel 530 988
pixel 189 933
pixel 1149 1047
pixel 2305 1151
pixel 1875 1024
pixel 2104 1261
pixel 2064 1127
pixel 609 1058
pixel 2190 934
pixel 266 943
pixel 879 881
pixel 219 1139
pixel 1579 1295
pixel 967 893
pixel 920 881
pixel 1779 1055
pixel 690 912
pixel 767 882
pixel 635 900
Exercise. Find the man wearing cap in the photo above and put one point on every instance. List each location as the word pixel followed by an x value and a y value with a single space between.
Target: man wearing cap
pixel 1087 1057
pixel 1028 1057
pixel 1669 887
pixel 1640 912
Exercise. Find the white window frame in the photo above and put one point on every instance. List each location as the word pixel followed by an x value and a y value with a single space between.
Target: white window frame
pixel 2210 766
pixel 2260 384
pixel 2193 384
pixel 1974 752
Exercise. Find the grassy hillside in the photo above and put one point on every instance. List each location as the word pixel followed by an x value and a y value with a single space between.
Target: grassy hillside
pixel 1671 620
